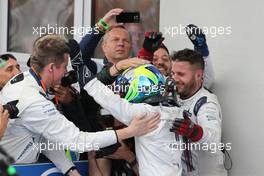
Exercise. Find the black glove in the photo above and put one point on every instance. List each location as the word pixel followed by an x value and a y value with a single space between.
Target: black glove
pixel 187 128
pixel 74 48
pixel 75 54
pixel 169 96
pixel 152 41
pixel 198 39
pixel 83 72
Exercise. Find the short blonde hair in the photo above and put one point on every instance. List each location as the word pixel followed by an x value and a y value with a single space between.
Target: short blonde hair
pixel 48 49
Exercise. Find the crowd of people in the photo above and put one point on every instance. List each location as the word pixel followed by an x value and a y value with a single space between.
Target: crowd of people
pixel 143 130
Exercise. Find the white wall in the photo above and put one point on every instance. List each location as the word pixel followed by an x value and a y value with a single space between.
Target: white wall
pixel 2 26
pixel 239 69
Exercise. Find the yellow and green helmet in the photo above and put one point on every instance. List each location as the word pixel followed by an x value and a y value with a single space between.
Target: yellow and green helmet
pixel 137 84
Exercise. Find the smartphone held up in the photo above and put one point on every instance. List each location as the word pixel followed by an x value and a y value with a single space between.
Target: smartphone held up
pixel 128 17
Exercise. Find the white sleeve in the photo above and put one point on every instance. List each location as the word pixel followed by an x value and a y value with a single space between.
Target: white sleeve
pixel 42 117
pixel 208 73
pixel 209 118
pixel 58 157
pixel 120 108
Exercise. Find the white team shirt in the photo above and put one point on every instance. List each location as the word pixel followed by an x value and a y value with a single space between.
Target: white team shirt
pixel 39 120
pixel 209 117
pixel 156 153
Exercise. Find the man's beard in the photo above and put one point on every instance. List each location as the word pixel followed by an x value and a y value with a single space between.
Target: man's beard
pixel 188 89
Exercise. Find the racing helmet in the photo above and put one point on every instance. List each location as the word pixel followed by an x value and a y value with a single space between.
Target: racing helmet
pixel 137 84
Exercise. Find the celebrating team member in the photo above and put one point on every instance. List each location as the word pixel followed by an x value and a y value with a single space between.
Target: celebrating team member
pixel 38 116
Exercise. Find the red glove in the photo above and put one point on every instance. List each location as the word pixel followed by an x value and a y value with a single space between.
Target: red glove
pixel 186 127
pixel 151 43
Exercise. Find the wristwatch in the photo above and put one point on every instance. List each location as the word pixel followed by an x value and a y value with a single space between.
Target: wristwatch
pixel 70 171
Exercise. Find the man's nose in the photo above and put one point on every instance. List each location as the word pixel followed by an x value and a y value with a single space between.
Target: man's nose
pixel 160 63
pixel 175 77
pixel 120 43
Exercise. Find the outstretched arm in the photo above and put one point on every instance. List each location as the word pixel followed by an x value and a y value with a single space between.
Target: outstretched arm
pixel 90 41
pixel 55 127
pixel 208 73
pixel 198 39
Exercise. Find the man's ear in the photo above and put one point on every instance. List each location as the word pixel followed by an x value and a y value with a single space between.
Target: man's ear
pixel 51 67
pixel 103 46
pixel 199 74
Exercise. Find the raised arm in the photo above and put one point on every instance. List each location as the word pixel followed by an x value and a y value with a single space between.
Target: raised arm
pixel 90 41
pixel 198 39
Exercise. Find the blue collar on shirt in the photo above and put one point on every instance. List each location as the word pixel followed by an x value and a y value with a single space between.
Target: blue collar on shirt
pixel 35 76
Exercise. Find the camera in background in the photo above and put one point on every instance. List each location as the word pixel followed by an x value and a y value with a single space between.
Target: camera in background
pixel 12 109
pixel 69 78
